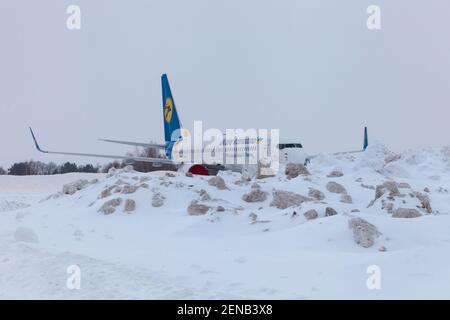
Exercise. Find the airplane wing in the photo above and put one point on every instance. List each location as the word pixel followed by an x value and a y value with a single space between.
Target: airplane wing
pixel 347 152
pixel 311 157
pixel 365 145
pixel 142 159
pixel 136 144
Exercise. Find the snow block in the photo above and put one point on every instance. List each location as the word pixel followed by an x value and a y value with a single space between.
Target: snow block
pixel 130 205
pixel 406 213
pixel 157 200
pixel 311 214
pixel 196 209
pixel 364 233
pixel 217 182
pixel 316 194
pixel 335 174
pixel 75 186
pixel 256 195
pixel 335 187
pixel 285 199
pixel 293 170
pixel 109 206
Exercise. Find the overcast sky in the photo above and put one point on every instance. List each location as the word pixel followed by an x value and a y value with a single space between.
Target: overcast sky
pixel 308 67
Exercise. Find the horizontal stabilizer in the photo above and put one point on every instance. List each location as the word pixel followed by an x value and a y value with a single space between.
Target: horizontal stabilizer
pixel 136 144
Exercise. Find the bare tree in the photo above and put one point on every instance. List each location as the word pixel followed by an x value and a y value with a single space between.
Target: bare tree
pixel 115 164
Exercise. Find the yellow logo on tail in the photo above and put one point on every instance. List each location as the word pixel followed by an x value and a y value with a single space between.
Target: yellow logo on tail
pixel 168 109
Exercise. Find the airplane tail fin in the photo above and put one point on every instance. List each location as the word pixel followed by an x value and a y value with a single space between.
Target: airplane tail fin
pixel 172 124
pixel 366 139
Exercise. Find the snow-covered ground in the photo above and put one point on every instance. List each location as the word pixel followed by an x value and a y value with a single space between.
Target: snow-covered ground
pixel 237 249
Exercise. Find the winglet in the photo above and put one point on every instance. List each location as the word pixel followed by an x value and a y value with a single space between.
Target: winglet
pixel 366 139
pixel 35 141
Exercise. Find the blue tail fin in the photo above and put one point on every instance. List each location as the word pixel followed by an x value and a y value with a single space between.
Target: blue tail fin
pixel 171 121
pixel 366 139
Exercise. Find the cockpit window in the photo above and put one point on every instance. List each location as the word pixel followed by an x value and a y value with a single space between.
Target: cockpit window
pixel 282 146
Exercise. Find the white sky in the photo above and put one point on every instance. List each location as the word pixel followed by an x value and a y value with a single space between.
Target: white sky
pixel 310 68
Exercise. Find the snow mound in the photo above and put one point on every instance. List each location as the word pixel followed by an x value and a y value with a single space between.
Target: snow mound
pixel 195 238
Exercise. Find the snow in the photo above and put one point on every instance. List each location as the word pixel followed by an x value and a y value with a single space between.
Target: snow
pixel 40 184
pixel 247 250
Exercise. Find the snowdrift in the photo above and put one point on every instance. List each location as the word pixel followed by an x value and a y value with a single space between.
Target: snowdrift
pixel 310 233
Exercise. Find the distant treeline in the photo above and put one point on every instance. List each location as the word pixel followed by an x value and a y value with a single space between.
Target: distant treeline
pixel 31 167
pixel 27 168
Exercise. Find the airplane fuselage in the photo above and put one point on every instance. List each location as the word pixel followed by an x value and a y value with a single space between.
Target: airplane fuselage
pixel 237 156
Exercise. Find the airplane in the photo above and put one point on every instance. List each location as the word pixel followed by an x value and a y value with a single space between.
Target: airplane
pixel 288 151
